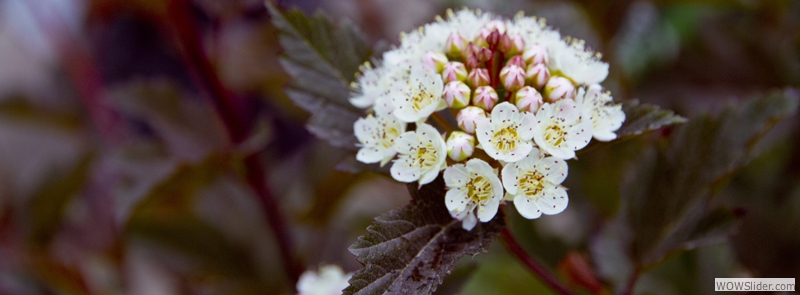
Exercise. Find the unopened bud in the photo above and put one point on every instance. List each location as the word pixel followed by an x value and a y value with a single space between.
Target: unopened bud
pixel 485 97
pixel 456 94
pixel 434 60
pixel 558 88
pixel 493 39
pixel 536 54
pixel 468 117
pixel 484 54
pixel 513 77
pixel 460 146
pixel 455 45
pixel 512 44
pixel 516 60
pixel 478 77
pixel 454 71
pixel 528 99
pixel 537 75
pixel 483 34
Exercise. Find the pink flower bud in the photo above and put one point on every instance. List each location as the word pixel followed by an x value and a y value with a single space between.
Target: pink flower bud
pixel 455 45
pixel 537 75
pixel 478 77
pixel 434 60
pixel 457 94
pixel 536 54
pixel 528 99
pixel 460 146
pixel 513 77
pixel 485 97
pixel 468 117
pixel 483 34
pixel 558 88
pixel 454 71
pixel 512 44
pixel 484 54
pixel 516 60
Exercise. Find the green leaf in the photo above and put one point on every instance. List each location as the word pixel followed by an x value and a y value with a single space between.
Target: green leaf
pixel 322 59
pixel 679 180
pixel 643 118
pixel 410 250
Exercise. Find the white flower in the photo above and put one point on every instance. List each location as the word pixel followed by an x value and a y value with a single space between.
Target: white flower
pixel 571 59
pixel 466 22
pixel 377 136
pixel 562 128
pixel 368 86
pixel 507 134
pixel 533 30
pixel 606 116
pixel 534 182
pixel 422 155
pixel 419 96
pixel 471 187
pixel 330 280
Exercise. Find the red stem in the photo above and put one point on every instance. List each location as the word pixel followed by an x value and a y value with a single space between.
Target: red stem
pixel 533 265
pixel 234 116
pixel 631 282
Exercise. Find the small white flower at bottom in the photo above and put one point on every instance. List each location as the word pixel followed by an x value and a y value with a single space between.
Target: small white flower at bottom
pixel 422 154
pixel 472 187
pixel 330 280
pixel 507 134
pixel 606 116
pixel 562 128
pixel 377 136
pixel 534 182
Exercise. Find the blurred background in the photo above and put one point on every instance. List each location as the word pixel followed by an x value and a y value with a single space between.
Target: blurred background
pixel 146 147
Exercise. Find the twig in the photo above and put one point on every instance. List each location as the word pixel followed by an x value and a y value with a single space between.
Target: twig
pixel 233 115
pixel 631 282
pixel 537 268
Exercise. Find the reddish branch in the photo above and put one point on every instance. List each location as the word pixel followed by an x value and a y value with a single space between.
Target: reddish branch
pixel 533 265
pixel 233 114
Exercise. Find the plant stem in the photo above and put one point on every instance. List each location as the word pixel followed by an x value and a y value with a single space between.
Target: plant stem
pixel 533 265
pixel 631 281
pixel 442 122
pixel 234 114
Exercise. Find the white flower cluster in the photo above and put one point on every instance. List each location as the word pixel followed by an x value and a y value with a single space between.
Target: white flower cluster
pixel 530 97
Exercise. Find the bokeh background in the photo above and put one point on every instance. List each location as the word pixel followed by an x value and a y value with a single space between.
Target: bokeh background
pixel 146 146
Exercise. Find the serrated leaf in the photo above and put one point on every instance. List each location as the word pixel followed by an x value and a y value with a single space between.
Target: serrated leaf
pixel 679 180
pixel 322 59
pixel 643 118
pixel 410 250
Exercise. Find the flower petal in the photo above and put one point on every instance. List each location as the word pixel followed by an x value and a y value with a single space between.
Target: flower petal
pixel 456 175
pixel 510 181
pixel 554 201
pixel 456 201
pixel 369 155
pixel 403 171
pixel 488 210
pixel 469 221
pixel 554 170
pixel 526 207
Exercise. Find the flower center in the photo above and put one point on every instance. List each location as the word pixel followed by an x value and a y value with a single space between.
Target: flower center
pixel 387 135
pixel 554 134
pixel 425 157
pixel 506 139
pixel 532 183
pixel 421 99
pixel 479 189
